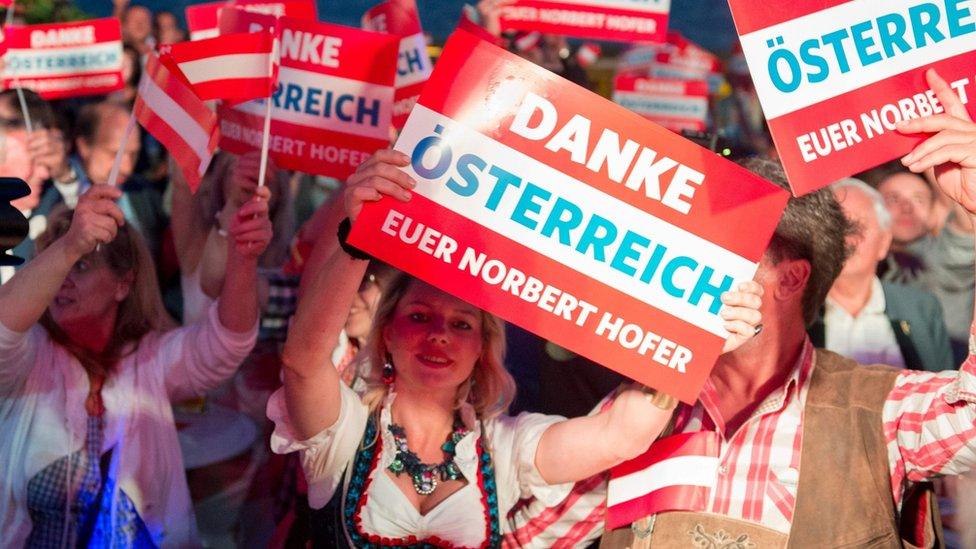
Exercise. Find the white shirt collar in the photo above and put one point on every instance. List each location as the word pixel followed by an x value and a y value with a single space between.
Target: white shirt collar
pixel 874 306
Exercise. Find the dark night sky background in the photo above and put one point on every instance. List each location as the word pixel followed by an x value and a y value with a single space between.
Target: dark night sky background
pixel 707 22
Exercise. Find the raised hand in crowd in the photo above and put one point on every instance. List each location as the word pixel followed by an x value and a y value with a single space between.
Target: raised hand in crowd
pixel 96 220
pixel 118 7
pixel 201 223
pixel 248 236
pixel 242 182
pixel 380 175
pixel 951 151
pixel 490 11
pixel 47 148
pixel 250 229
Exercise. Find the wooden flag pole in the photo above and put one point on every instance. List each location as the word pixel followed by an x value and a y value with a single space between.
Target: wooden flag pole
pixel 114 174
pixel 23 108
pixel 265 137
pixel 20 91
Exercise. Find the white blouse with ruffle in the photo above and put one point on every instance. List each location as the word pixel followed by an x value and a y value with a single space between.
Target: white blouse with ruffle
pixel 460 518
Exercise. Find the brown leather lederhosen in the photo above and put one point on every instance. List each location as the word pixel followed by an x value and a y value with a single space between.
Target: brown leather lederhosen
pixel 844 492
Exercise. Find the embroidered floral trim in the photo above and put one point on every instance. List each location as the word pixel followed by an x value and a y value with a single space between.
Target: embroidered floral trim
pixel 367 459
pixel 719 540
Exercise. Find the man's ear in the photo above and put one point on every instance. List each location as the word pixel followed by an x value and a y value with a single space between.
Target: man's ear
pixel 885 245
pixel 793 275
pixel 83 147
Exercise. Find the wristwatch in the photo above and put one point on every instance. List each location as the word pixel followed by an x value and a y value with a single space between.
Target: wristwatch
pixel 658 399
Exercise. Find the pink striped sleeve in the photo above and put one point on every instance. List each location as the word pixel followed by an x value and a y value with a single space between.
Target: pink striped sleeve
pixel 930 424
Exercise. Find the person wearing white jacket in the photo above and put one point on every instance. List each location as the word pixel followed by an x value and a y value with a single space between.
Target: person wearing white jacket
pixel 88 368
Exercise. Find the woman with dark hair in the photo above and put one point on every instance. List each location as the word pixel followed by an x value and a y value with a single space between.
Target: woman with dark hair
pixel 89 363
pixel 427 456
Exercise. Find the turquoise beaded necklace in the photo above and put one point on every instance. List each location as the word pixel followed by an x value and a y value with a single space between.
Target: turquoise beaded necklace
pixel 423 475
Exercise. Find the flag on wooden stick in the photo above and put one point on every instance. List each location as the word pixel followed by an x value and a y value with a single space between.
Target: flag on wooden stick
pixel 179 119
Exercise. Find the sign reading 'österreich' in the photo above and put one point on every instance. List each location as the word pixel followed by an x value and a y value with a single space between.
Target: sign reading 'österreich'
pixel 65 59
pixel 835 77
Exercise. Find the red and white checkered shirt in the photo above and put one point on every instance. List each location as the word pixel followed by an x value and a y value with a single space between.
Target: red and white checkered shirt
pixel 929 424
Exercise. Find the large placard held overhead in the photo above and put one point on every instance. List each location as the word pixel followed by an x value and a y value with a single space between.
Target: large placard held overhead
pixel 564 213
pixel 835 77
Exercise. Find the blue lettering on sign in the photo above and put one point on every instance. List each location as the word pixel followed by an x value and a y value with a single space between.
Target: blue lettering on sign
pixel 410 61
pixel 55 61
pixel 863 43
pixel 569 224
pixel 327 104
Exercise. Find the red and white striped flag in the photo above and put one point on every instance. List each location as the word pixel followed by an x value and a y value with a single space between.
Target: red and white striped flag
pixel 175 116
pixel 675 474
pixel 527 41
pixel 233 67
pixel 587 54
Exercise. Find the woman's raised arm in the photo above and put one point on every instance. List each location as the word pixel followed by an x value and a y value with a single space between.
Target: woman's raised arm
pixel 311 380
pixel 582 447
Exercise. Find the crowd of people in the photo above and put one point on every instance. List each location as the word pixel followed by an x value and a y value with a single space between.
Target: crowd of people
pixel 223 368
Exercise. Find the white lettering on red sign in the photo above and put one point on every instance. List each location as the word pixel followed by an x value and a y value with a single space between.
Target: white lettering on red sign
pixel 574 137
pixel 312 48
pixel 72 36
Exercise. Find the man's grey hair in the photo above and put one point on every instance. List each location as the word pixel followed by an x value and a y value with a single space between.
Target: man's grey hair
pixel 880 210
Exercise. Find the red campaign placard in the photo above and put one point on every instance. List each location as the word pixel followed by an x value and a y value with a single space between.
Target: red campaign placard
pixel 469 22
pixel 675 104
pixel 617 20
pixel 572 217
pixel 835 77
pixel 332 109
pixel 400 17
pixel 203 19
pixel 65 59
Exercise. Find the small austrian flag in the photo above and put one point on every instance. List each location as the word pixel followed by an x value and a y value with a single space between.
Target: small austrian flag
pixel 587 54
pixel 528 41
pixel 233 67
pixel 675 474
pixel 175 116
